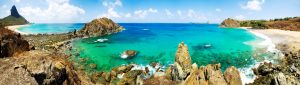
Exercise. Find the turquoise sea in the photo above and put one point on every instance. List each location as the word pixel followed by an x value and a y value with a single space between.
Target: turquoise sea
pixel 157 42
pixel 51 28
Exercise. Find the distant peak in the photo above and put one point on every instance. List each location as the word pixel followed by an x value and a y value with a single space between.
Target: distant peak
pixel 14 12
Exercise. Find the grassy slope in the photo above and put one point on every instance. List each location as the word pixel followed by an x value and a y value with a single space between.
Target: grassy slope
pixel 291 23
pixel 11 20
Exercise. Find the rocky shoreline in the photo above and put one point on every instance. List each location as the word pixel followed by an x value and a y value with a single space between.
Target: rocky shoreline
pixel 44 61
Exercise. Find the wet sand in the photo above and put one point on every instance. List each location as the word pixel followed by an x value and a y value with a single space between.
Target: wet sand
pixel 15 29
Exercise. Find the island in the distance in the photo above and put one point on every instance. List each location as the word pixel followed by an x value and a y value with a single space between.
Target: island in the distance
pixel 14 18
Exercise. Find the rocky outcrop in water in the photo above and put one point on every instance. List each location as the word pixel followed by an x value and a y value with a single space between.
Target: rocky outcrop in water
pixel 100 27
pixel 183 61
pixel 181 72
pixel 11 43
pixel 14 18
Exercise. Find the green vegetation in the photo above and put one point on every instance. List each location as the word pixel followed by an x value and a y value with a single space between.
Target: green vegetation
pixel 288 23
pixel 11 20
pixel 254 23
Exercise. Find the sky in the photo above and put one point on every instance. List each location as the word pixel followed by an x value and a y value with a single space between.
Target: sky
pixel 150 11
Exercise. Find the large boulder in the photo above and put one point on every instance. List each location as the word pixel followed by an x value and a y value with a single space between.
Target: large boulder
pixel 128 54
pixel 232 76
pixel 100 27
pixel 11 43
pixel 38 67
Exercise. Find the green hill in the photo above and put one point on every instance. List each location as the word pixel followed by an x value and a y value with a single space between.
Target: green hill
pixel 14 18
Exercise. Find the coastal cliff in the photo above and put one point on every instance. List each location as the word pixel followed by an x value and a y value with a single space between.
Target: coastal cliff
pixel 14 18
pixel 100 27
pixel 288 23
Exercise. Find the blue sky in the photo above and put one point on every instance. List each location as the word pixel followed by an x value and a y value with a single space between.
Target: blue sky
pixel 150 11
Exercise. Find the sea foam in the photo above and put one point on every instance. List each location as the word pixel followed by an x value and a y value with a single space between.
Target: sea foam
pixel 246 73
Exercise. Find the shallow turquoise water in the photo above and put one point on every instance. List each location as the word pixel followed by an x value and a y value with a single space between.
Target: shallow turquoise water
pixel 51 28
pixel 157 42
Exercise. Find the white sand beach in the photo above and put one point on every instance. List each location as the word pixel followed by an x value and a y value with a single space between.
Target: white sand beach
pixel 279 36
pixel 15 28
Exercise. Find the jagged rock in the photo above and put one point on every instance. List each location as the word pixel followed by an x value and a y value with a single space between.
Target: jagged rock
pixel 275 75
pixel 214 75
pixel 100 27
pixel 123 68
pixel 14 74
pixel 14 12
pixel 11 43
pixel 130 77
pixel 160 80
pixel 45 68
pixel 232 76
pixel 230 23
pixel 183 60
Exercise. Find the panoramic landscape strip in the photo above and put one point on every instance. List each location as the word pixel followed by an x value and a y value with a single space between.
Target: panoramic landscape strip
pixel 104 52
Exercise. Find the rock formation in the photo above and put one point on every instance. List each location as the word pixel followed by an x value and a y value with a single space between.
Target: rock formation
pixel 14 18
pixel 128 54
pixel 11 43
pixel 230 23
pixel 100 27
pixel 285 73
pixel 14 12
pixel 38 68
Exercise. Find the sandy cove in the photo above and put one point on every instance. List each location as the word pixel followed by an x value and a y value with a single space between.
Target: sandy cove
pixel 15 28
pixel 279 36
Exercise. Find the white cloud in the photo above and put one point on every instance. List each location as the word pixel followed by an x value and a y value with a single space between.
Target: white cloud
pixel 3 6
pixel 111 6
pixel 240 17
pixel 58 11
pixel 143 13
pixel 218 9
pixel 128 15
pixel 168 13
pixel 4 11
pixel 191 14
pixel 16 1
pixel 255 5
pixel 179 12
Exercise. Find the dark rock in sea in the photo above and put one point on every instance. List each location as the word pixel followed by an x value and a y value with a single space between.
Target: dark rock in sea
pixel 14 18
pixel 100 27
pixel 128 54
